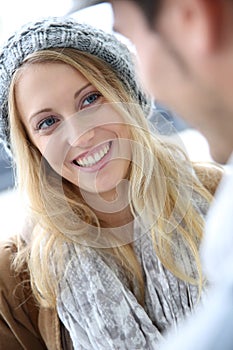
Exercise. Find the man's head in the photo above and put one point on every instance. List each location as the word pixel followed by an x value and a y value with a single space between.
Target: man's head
pixel 186 60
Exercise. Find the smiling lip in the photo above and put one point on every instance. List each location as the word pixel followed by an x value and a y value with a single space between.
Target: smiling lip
pixel 95 159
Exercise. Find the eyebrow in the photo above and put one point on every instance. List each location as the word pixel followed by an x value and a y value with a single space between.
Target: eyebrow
pixel 40 111
pixel 77 93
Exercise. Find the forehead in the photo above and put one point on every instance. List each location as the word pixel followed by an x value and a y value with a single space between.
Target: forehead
pixel 45 71
pixel 46 84
pixel 148 8
pixel 130 19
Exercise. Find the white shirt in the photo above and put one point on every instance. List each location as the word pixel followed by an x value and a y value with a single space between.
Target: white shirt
pixel 217 247
pixel 211 327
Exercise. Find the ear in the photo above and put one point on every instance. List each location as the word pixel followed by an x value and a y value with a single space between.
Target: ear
pixel 197 24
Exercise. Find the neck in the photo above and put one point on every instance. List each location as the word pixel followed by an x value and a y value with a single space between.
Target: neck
pixel 112 208
pixel 116 219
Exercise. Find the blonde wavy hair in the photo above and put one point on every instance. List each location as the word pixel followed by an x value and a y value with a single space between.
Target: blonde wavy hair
pixel 162 187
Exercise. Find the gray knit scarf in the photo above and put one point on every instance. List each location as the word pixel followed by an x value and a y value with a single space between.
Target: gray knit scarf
pixel 99 308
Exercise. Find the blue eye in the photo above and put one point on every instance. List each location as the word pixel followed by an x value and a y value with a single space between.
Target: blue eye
pixel 90 99
pixel 47 123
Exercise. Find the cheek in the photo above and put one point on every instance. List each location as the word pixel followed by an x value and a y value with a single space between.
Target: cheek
pixel 54 151
pixel 150 62
pixel 117 129
pixel 122 142
pixel 162 74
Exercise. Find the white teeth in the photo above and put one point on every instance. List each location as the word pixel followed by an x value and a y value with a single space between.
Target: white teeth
pixel 90 160
pixel 94 158
pixel 97 157
pixel 81 162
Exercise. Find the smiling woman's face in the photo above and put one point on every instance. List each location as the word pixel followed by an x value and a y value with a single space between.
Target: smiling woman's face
pixel 80 135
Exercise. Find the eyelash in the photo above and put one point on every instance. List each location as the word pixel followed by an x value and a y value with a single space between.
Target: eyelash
pixel 97 94
pixel 40 124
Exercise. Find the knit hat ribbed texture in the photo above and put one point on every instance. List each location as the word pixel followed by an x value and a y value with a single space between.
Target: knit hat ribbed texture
pixel 58 33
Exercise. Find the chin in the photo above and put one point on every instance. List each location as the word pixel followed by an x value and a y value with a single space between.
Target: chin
pixel 220 156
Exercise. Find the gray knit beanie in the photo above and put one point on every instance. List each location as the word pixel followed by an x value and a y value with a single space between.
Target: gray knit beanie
pixel 64 32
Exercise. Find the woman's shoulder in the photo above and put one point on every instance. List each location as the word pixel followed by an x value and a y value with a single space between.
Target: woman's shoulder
pixel 8 248
pixel 9 278
pixel 209 174
pixel 18 310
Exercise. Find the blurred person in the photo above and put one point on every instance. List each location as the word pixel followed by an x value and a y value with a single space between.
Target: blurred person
pixel 109 257
pixel 186 61
pixel 187 68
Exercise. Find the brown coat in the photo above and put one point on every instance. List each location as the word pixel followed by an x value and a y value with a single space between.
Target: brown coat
pixel 24 325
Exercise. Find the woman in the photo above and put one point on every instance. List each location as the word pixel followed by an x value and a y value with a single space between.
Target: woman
pixel 111 258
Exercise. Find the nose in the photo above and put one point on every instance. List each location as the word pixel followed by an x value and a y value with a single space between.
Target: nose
pixel 78 135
